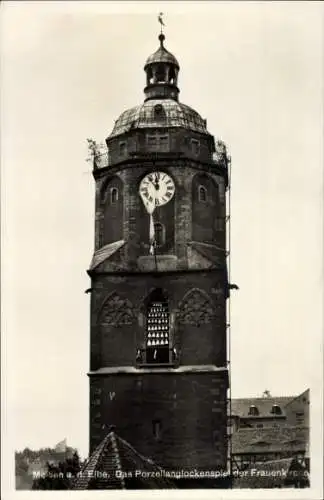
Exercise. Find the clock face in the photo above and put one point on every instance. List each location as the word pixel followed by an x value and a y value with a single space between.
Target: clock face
pixel 157 188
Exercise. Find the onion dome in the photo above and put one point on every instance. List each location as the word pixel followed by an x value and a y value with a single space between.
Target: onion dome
pixel 162 55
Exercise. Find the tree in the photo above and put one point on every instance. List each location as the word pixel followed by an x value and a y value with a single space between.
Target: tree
pixel 59 476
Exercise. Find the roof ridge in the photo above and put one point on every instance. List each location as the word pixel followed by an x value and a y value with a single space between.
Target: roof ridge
pixel 116 457
pixel 261 397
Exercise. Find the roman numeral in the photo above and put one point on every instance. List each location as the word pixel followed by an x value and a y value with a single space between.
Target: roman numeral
pixel 144 192
pixel 168 194
pixel 168 181
pixel 157 202
pixel 150 199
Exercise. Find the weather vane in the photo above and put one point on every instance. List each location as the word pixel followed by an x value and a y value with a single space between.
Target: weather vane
pixel 160 18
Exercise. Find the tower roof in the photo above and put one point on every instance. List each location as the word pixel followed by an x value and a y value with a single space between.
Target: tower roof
pixel 159 113
pixel 162 55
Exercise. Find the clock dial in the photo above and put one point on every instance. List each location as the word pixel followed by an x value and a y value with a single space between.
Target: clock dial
pixel 157 188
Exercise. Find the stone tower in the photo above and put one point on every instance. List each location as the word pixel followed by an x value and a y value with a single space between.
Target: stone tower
pixel 158 367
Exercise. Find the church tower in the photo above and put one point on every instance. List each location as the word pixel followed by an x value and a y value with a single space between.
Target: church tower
pixel 158 367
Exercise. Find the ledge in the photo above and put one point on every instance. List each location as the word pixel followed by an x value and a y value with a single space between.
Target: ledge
pixel 132 370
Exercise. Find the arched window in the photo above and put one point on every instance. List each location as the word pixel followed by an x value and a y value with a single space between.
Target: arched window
pixel 111 224
pixel 202 194
pixel 159 231
pixel 113 195
pixel 160 74
pixel 157 329
pixel 276 410
pixel 253 411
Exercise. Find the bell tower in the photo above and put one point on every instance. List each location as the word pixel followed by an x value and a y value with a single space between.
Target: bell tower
pixel 158 363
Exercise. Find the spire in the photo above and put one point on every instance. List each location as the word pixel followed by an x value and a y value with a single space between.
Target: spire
pixel 162 70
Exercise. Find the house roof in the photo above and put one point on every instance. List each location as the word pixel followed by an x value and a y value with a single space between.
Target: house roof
pixel 112 460
pixel 273 474
pixel 270 439
pixel 303 397
pixel 240 407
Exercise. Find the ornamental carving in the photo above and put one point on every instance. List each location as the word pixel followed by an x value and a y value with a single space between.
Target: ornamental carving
pixel 196 308
pixel 117 311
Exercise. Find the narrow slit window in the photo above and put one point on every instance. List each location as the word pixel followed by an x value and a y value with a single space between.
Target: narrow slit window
pixel 122 148
pixel 159 231
pixel 195 146
pixel 113 195
pixel 157 429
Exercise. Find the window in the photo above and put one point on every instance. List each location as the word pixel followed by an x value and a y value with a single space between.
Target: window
pixel 159 231
pixel 157 329
pixel 122 148
pixel 113 195
pixel 151 140
pixel 202 194
pixel 300 417
pixel 157 429
pixel 276 410
pixel 259 426
pixel 158 141
pixel 253 410
pixel 195 146
pixel 159 113
pixel 164 140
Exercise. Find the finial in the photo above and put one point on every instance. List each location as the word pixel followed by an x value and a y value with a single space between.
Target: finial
pixel 160 18
pixel 161 38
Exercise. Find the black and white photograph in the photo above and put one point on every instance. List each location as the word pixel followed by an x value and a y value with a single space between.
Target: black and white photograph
pixel 162 248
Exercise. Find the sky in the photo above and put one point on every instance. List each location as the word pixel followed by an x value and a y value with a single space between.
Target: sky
pixel 255 72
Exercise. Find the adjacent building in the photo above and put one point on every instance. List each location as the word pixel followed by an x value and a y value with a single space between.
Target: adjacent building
pixel 269 428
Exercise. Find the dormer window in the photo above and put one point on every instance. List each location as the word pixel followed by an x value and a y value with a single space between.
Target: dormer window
pixel 113 195
pixel 195 147
pixel 276 410
pixel 122 148
pixel 253 411
pixel 202 194
pixel 159 113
